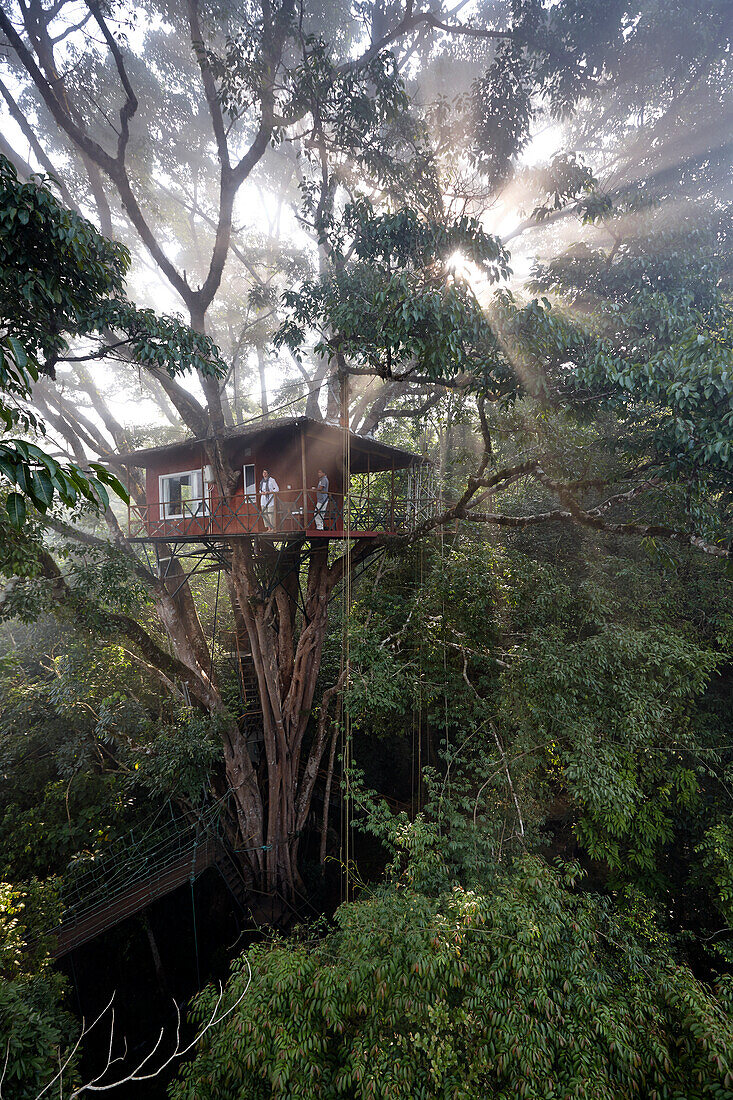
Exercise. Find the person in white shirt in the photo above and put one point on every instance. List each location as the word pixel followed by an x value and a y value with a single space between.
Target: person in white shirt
pixel 268 488
pixel 321 500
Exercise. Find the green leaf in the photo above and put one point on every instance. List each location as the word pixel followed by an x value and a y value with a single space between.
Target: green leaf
pixel 42 489
pixel 15 506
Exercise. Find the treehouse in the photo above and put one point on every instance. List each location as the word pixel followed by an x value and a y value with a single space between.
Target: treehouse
pixel 389 489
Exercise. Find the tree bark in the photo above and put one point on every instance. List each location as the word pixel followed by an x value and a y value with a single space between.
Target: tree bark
pixel 287 663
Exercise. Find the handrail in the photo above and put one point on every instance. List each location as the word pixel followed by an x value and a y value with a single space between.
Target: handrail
pixel 293 511
pixel 127 860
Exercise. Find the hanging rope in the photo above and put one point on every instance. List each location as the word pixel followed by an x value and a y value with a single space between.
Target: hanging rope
pixel 419 694
pixel 345 647
pixel 213 628
pixel 445 655
pixel 192 878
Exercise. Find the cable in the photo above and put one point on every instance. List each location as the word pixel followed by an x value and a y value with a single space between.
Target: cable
pixel 445 651
pixel 345 648
pixel 213 628
pixel 286 404
pixel 195 931
pixel 419 696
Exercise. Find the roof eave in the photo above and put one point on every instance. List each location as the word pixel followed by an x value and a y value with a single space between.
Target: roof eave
pixel 144 457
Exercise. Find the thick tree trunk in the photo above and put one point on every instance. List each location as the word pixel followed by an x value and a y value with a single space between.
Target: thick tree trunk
pixel 286 663
pixel 242 782
pixel 178 614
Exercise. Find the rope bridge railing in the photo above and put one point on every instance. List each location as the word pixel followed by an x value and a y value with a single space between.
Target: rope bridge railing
pixel 100 877
pixel 99 892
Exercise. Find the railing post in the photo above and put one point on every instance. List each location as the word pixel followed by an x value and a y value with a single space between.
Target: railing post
pixel 391 503
pixel 304 478
pixel 127 468
pixel 369 505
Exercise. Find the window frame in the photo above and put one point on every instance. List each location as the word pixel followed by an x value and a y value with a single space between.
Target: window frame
pixel 249 496
pixel 197 484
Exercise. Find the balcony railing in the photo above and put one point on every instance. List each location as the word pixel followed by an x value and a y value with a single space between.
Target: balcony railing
pixel 293 511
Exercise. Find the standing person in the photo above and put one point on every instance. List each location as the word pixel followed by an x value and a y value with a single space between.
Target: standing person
pixel 268 488
pixel 321 499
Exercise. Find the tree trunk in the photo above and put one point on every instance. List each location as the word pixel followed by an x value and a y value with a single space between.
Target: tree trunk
pixel 178 614
pixel 262 370
pixel 286 663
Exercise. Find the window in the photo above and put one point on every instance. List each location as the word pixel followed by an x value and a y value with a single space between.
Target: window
pixel 250 484
pixel 181 495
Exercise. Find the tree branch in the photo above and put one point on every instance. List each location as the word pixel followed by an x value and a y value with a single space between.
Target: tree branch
pixel 316 754
pixel 41 156
pixel 112 624
pixel 207 78
pixel 577 515
pixel 129 107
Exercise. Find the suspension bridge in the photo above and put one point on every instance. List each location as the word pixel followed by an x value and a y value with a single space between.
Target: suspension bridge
pixel 132 873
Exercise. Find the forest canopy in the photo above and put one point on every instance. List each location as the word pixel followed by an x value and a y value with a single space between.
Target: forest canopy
pixel 411 776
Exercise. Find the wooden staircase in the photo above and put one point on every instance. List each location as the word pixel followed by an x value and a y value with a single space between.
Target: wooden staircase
pixel 250 721
pixel 231 873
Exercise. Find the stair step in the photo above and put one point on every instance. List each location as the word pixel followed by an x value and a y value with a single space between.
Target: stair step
pixel 232 877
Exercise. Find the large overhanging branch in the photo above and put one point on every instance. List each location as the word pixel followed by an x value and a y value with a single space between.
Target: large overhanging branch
pixel 130 105
pixel 95 542
pixel 207 79
pixel 115 625
pixel 578 515
pixel 68 418
pixel 413 21
pixel 660 177
pixel 189 409
pixel 113 166
pixel 40 153
pixel 45 78
pixel 458 382
pixel 572 511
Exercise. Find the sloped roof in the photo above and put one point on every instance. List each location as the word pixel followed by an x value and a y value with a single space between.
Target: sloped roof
pixel 262 428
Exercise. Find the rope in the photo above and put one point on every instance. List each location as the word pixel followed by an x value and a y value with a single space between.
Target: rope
pixel 195 934
pixel 445 653
pixel 345 649
pixel 129 862
pixel 419 698
pixel 213 628
pixel 419 495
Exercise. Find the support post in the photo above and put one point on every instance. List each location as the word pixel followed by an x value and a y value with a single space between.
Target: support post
pixel 391 500
pixel 303 476
pixel 129 498
pixel 346 487
pixel 369 504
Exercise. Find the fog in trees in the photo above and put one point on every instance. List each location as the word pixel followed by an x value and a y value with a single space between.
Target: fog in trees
pixel 468 755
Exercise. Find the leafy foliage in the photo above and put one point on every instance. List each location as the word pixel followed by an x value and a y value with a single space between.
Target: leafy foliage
pixel 534 990
pixel 571 694
pixel 397 305
pixel 656 345
pixel 84 747
pixel 60 279
pixel 586 699
pixel 36 1033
